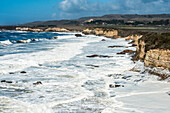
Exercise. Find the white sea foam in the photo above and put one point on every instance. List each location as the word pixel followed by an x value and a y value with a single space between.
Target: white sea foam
pixel 5 42
pixel 71 82
pixel 18 31
pixel 15 106
pixel 65 51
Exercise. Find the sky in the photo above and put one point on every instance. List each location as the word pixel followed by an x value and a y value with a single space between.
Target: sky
pixel 14 12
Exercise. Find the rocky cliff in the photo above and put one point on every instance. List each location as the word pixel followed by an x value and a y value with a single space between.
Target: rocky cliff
pixel 135 38
pixel 154 50
pixel 56 30
pixel 110 33
pixel 159 58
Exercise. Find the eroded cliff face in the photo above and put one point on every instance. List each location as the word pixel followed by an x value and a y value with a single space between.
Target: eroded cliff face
pixel 110 33
pixel 154 51
pixel 135 38
pixel 56 30
pixel 159 58
pixel 140 50
pixel 88 31
pixel 98 31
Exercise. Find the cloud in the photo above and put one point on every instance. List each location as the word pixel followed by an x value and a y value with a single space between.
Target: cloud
pixel 79 8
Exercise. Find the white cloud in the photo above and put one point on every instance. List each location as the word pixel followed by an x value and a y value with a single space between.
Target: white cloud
pixel 79 8
pixel 74 5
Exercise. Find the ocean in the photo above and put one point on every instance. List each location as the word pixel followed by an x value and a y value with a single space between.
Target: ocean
pixel 41 74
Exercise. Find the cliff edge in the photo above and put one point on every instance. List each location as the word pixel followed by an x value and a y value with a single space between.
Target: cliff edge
pixel 154 50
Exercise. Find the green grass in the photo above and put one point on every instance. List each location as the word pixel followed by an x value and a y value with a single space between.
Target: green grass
pixel 140 28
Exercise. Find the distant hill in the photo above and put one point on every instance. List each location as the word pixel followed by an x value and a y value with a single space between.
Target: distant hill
pixel 140 19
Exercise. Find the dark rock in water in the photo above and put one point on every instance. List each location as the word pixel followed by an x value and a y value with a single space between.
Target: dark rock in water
pixel 115 86
pixel 34 39
pixel 19 41
pixel 168 93
pixel 78 35
pixel 138 80
pixel 40 64
pixel 8 81
pixel 3 80
pixel 111 75
pixel 23 72
pixel 41 97
pixel 92 65
pixel 100 56
pixel 23 41
pixel 95 55
pixel 135 70
pixel 115 46
pixel 55 37
pixel 105 56
pixel 127 51
pixel 103 40
pixel 111 86
pixel 38 82
pixel 11 73
pixel 114 75
pixel 125 77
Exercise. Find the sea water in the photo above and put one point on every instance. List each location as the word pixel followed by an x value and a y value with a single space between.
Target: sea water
pixel 71 82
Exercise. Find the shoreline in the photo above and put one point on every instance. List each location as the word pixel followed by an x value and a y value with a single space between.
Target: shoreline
pixel 102 84
pixel 157 56
pixel 135 38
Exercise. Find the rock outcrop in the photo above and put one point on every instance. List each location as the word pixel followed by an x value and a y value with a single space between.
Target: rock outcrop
pixel 54 29
pixel 109 33
pixel 78 35
pixel 135 38
pixel 140 50
pixel 154 50
pixel 159 58
pixel 127 51
pixel 28 29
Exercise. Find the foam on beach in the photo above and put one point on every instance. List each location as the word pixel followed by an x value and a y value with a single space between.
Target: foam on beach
pixel 69 81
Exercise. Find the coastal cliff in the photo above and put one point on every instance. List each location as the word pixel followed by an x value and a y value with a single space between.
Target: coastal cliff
pixel 154 50
pixel 159 58
pixel 56 30
pixel 109 33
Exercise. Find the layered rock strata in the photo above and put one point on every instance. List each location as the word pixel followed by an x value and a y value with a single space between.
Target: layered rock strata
pixel 109 33
pixel 159 58
pixel 154 50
